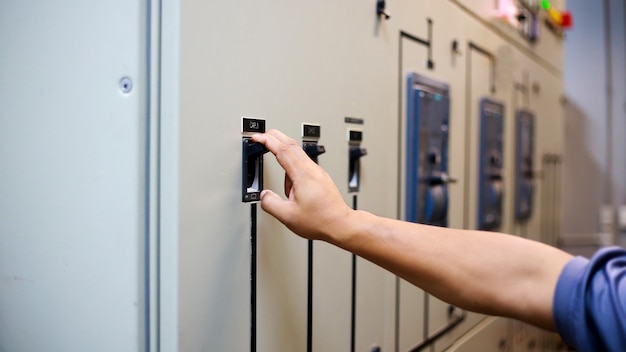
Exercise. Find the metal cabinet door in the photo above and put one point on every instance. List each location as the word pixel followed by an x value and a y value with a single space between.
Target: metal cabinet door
pixel 72 175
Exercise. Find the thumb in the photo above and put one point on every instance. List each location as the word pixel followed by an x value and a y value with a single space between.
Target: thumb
pixel 273 204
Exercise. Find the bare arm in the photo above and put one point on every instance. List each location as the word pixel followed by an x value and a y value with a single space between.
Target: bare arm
pixel 484 272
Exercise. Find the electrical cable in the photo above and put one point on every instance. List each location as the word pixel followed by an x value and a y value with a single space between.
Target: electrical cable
pixel 353 304
pixel 253 220
pixel 309 333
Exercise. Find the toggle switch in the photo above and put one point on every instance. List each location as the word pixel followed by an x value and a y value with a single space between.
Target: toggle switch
pixel 252 169
pixel 355 153
pixel 251 160
pixel 312 149
pixel 354 168
pixel 380 9
pixel 310 136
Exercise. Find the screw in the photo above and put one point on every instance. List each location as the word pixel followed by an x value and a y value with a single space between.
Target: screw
pixel 126 85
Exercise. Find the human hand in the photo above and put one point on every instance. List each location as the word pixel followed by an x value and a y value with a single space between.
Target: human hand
pixel 314 208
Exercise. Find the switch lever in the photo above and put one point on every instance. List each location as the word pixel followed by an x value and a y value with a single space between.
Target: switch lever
pixel 313 150
pixel 255 149
pixel 354 168
pixel 357 152
pixel 380 9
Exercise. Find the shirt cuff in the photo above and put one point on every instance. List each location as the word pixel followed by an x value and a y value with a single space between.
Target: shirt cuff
pixel 567 300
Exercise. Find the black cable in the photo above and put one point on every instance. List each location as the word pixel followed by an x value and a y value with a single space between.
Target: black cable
pixel 353 311
pixel 253 277
pixel 309 332
pixel 429 340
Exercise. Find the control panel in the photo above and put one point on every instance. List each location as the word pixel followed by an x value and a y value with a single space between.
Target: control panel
pixel 426 157
pixel 355 153
pixel 490 169
pixel 251 159
pixel 524 150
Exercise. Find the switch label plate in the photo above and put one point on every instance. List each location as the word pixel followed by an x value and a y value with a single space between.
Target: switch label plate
pixel 251 125
pixel 355 136
pixel 311 131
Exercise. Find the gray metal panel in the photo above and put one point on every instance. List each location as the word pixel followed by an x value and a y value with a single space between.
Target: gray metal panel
pixel 72 160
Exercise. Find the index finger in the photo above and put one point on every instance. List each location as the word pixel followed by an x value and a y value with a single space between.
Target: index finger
pixel 288 152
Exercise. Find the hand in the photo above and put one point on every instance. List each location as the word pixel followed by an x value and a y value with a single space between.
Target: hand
pixel 314 208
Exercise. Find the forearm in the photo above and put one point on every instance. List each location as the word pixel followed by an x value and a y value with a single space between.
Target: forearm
pixel 484 272
pixel 481 271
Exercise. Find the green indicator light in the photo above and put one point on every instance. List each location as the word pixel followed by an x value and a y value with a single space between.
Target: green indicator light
pixel 545 4
pixel 437 97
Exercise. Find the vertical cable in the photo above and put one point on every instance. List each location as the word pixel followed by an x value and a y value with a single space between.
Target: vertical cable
pixel 353 311
pixel 253 277
pixel 309 332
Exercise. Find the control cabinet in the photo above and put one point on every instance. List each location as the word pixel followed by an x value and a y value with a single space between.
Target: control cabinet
pixel 524 150
pixel 426 178
pixel 490 170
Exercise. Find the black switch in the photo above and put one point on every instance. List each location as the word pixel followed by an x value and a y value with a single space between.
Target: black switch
pixel 252 170
pixel 255 149
pixel 356 153
pixel 313 149
pixel 380 9
pixel 354 168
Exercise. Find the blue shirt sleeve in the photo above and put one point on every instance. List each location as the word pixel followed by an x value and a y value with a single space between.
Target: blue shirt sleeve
pixel 590 302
